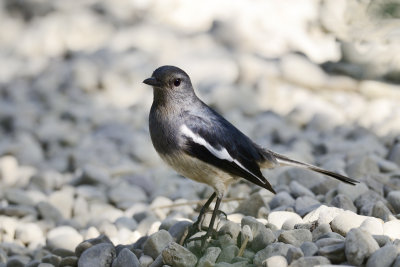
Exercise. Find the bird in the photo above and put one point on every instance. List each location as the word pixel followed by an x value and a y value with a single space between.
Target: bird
pixel 202 145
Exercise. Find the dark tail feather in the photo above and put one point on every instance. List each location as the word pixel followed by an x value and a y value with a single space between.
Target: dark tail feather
pixel 282 160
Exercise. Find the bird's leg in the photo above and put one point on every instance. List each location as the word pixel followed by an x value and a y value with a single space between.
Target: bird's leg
pixel 211 226
pixel 196 226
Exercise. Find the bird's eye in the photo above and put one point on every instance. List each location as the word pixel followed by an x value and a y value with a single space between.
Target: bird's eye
pixel 177 82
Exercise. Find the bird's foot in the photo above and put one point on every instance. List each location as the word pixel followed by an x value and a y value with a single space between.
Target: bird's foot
pixel 205 239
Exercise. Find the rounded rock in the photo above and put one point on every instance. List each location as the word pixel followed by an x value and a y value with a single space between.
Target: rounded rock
pixel 98 255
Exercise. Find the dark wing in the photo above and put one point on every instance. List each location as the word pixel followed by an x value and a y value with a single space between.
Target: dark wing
pixel 215 141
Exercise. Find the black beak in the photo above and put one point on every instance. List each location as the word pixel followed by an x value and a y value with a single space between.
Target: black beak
pixel 153 82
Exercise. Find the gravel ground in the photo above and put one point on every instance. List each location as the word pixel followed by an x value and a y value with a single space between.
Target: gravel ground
pixel 81 184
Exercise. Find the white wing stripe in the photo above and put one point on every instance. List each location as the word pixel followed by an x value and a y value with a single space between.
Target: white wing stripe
pixel 221 154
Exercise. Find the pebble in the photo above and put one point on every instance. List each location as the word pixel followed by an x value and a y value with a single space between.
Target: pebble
pixel 262 236
pixel 176 255
pixel 310 261
pixel 309 249
pixel 101 254
pixel 210 257
pixel 342 201
pixel 251 205
pixel 372 225
pixel 126 258
pixel 298 190
pixel 64 237
pixel 281 199
pixel 278 218
pixel 380 210
pixel 384 256
pixel 394 200
pixel 392 229
pixel 156 243
pixel 293 254
pixel 346 221
pixel 305 204
pixel 273 249
pixel 275 261
pixel 359 245
pixel 295 237
pixel 228 253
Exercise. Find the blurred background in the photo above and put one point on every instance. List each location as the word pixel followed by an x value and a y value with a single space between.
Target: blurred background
pixel 315 79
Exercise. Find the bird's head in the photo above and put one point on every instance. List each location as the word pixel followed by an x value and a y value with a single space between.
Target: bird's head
pixel 169 79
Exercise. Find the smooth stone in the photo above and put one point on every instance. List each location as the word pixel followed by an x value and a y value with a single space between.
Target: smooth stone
pixel 126 258
pixel 396 262
pixel 292 223
pixel 305 204
pixel 89 243
pixel 359 167
pixel 101 254
pixel 63 200
pixel 359 245
pixel 158 262
pixel 126 222
pixel 309 249
pixel 321 230
pixel 374 226
pixel 293 254
pixel 52 259
pixel 298 190
pixel 49 212
pixel 228 253
pixel 145 261
pixel 156 243
pixel 230 228
pixel 365 203
pixel 275 261
pixel 179 230
pixel 281 199
pixel 346 221
pixel 310 261
pixel 210 257
pixel 335 253
pixel 351 191
pixel 273 249
pixel 323 214
pixel 394 200
pixel 278 218
pixel 17 261
pixel 380 210
pixel 295 237
pixel 383 257
pixel 29 233
pixel 176 255
pixel 69 261
pixel 342 201
pixel 250 206
pixel 392 229
pixel 262 236
pixel 382 240
pixel 64 237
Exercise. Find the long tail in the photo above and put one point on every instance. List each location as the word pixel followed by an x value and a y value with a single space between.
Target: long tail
pixel 283 160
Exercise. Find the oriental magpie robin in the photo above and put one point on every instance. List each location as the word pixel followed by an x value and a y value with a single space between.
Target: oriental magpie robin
pixel 201 145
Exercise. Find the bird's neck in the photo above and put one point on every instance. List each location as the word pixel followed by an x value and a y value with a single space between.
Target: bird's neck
pixel 175 100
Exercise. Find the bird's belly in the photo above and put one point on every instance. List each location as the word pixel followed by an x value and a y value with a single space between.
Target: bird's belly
pixel 200 171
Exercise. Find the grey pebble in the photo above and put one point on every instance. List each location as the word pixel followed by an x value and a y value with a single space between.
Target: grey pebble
pixel 262 236
pixel 52 259
pixel 383 257
pixel 394 153
pixel 250 206
pixel 158 262
pixel 394 200
pixel 176 255
pixel 91 242
pixel 46 265
pixel 293 254
pixel 320 230
pixel 17 261
pixel 63 252
pixel 273 249
pixel 228 253
pixel 365 202
pixel 343 202
pixel 100 255
pixel 380 210
pixel 281 199
pixel 179 230
pixel 295 237
pixel 230 228
pixel 335 253
pixel 33 263
pixel 126 258
pixel 156 243
pixel 299 190
pixel 359 245
pixel 309 249
pixel 382 240
pixel 396 263
pixel 145 261
pixel 305 204
pixel 210 257
pixel 126 222
pixel 69 261
pixel 18 211
pixel 310 261
pixel 49 212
